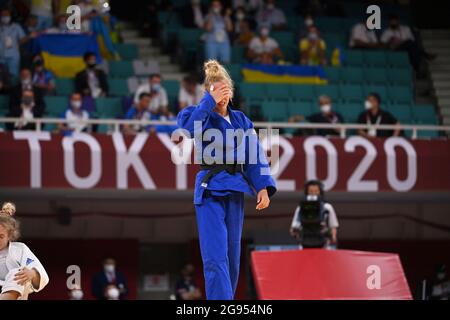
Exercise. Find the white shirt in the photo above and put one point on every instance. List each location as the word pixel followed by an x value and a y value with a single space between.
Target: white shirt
pixel 191 99
pixel 77 121
pixel 3 268
pixel 159 100
pixel 332 218
pixel 361 33
pixel 403 33
pixel 227 118
pixel 259 46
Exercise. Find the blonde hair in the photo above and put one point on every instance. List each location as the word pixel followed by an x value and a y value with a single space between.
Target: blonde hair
pixel 215 72
pixel 8 221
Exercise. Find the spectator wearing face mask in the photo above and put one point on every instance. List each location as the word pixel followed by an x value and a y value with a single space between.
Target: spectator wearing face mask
pixel 75 115
pixel 27 109
pixel 374 115
pixel 308 21
pixel 217 26
pixel 400 37
pixel 91 81
pixel 191 92
pixel 76 293
pixel 43 10
pixel 25 83
pixel 60 25
pixel 158 94
pixel 363 38
pixel 185 287
pixel 270 16
pixel 11 37
pixel 138 111
pixel 440 285
pixel 193 15
pixel 264 49
pixel 42 78
pixel 312 48
pixel 31 24
pixel 326 115
pixel 107 279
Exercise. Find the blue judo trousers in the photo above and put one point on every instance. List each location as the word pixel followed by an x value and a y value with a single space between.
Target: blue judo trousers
pixel 219 202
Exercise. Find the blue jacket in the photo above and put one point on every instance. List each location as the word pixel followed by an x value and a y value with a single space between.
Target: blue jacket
pixel 223 183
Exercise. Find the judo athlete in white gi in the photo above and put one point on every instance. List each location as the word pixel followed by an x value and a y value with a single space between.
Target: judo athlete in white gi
pixel 220 185
pixel 21 273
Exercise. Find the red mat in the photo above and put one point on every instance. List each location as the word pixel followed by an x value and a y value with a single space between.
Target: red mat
pixel 315 274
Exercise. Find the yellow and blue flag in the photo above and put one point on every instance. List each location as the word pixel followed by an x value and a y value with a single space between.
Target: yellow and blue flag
pixel 63 53
pixel 284 74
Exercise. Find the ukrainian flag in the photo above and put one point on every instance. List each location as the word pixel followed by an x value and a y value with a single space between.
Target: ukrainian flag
pixel 63 53
pixel 284 74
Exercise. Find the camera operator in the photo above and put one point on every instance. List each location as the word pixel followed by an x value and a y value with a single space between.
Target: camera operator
pixel 326 226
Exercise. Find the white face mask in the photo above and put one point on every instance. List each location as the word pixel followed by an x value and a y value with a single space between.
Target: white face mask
pixel 309 22
pixel 6 19
pixel 441 276
pixel 265 32
pixel 326 108
pixel 270 6
pixel 312 197
pixel 313 36
pixel 77 294
pixel 216 10
pixel 113 294
pixel 368 105
pixel 109 268
pixel 240 16
pixel 76 104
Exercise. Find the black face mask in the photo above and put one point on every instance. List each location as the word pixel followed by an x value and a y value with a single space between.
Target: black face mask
pixel 91 65
pixel 27 101
pixel 394 25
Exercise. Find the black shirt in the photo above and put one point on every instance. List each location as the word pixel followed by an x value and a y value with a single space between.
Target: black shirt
pixel 184 285
pixel 381 117
pixel 332 117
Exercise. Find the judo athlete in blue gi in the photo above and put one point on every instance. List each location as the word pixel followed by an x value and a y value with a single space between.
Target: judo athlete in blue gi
pixel 225 175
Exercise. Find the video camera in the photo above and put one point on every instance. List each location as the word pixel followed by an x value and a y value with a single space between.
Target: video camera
pixel 313 232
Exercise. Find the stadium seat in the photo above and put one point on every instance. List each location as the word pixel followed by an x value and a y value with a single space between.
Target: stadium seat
pixel 401 112
pixel 330 90
pixel 252 91
pixel 118 87
pixel 277 92
pixel 400 76
pixel 64 86
pixel 354 58
pixel 121 69
pixel 376 76
pixel 380 89
pixel 375 58
pixel 275 110
pixel 238 54
pixel 400 94
pixel 109 108
pixel 300 108
pixel 350 111
pixel 351 93
pixel 284 38
pixel 424 113
pixel 4 102
pixel 127 51
pixel 329 24
pixel 333 74
pixel 302 92
pixel 235 71
pixel 398 59
pixel 172 87
pixel 55 106
pixel 189 37
pixel 352 75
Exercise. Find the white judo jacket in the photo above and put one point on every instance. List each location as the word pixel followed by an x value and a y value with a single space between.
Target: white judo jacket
pixel 20 256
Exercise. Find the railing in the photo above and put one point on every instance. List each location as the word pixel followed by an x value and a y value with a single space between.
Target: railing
pixel 342 128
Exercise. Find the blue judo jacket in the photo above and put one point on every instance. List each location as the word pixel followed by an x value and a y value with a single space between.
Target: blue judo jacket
pixel 198 119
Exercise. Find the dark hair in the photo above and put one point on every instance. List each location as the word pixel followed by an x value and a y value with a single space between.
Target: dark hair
pixel 310 183
pixel 88 54
pixel 393 16
pixel 190 79
pixel 376 96
pixel 154 75
pixel 143 95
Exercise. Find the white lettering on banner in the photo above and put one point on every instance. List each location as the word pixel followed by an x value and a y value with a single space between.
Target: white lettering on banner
pixel 391 156
pixel 279 163
pixel 309 146
pixel 374 279
pixel 130 158
pixel 180 154
pixel 356 182
pixel 33 139
pixel 72 177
